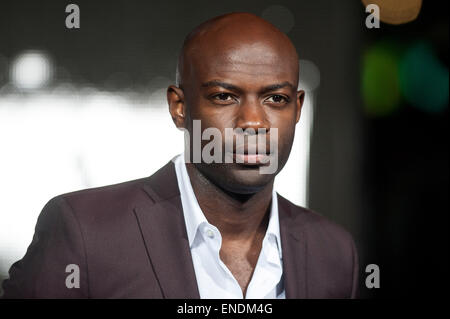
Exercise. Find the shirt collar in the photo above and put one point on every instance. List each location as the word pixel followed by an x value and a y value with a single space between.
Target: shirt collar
pixel 194 217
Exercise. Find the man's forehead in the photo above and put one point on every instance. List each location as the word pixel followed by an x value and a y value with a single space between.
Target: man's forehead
pixel 238 72
pixel 244 51
pixel 253 59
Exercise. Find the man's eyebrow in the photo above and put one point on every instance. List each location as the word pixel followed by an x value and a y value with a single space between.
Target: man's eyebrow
pixel 225 85
pixel 232 87
pixel 277 86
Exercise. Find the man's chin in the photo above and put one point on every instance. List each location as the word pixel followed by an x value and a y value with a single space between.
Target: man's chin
pixel 238 179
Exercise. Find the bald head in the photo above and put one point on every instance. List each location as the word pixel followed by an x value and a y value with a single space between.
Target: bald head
pixel 234 38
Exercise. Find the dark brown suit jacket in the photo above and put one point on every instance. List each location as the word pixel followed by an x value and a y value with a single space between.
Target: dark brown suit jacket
pixel 129 241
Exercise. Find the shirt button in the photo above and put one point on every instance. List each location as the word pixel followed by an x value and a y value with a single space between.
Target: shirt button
pixel 210 233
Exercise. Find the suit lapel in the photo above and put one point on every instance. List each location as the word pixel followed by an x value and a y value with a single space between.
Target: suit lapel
pixel 293 242
pixel 161 221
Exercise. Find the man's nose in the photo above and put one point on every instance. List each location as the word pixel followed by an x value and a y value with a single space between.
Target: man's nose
pixel 252 115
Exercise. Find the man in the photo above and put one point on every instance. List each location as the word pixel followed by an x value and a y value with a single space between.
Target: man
pixel 201 229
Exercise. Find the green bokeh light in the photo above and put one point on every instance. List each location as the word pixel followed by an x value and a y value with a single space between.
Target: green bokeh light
pixel 380 80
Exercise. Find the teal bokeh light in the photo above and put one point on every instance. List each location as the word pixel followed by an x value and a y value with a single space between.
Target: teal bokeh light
pixel 424 79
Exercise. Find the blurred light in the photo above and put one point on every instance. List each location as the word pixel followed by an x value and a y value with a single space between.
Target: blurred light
pixel 380 82
pixel 31 70
pixel 158 90
pixel 396 11
pixel 309 76
pixel 118 81
pixel 424 79
pixel 279 16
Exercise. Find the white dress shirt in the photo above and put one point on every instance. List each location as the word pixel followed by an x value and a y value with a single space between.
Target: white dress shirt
pixel 214 279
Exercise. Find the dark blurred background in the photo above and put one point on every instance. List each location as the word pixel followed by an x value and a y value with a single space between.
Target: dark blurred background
pixel 379 147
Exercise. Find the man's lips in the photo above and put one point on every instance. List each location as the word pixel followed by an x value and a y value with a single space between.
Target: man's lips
pixel 250 159
pixel 252 149
pixel 250 155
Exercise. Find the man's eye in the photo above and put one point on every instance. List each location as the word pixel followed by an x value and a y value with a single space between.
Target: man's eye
pixel 223 97
pixel 276 98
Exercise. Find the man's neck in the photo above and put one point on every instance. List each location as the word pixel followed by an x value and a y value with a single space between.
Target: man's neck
pixel 236 218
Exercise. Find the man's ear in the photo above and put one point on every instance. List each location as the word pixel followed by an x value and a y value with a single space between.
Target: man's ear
pixel 177 109
pixel 299 101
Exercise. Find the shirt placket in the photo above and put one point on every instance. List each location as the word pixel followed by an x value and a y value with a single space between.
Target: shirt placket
pixel 214 242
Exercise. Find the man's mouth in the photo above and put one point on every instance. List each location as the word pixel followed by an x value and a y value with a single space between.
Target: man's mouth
pixel 251 155
pixel 250 159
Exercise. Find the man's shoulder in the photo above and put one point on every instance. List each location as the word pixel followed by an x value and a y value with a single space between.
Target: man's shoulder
pixel 314 224
pixel 93 206
pixel 96 197
pixel 329 252
pixel 120 194
pixel 111 202
pixel 110 192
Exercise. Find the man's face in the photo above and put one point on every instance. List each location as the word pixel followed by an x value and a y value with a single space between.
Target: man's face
pixel 252 85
